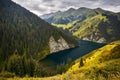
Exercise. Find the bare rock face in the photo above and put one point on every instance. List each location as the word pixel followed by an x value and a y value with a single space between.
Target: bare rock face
pixel 56 46
pixel 101 40
pixel 98 40
pixel 95 37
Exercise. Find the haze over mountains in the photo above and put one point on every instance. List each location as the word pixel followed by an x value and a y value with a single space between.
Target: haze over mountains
pixel 88 24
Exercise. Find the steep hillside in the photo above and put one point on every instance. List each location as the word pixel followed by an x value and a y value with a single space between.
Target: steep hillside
pixel 118 15
pixel 100 64
pixel 23 31
pixel 24 36
pixel 100 28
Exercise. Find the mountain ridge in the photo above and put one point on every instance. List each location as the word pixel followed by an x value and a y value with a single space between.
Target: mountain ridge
pixel 76 22
pixel 74 13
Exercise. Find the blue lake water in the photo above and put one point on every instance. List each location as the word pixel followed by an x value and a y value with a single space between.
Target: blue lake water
pixel 74 53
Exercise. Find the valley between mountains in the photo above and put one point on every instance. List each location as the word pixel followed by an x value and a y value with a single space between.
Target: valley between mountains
pixel 76 44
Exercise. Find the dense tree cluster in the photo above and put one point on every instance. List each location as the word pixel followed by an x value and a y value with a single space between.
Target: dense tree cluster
pixel 23 66
pixel 23 31
pixel 24 40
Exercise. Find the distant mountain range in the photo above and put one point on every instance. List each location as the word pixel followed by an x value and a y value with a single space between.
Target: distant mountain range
pixel 72 14
pixel 89 24
pixel 46 16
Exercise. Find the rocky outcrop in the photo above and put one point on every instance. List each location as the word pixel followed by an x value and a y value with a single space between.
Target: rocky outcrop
pixel 58 45
pixel 100 40
pixel 96 37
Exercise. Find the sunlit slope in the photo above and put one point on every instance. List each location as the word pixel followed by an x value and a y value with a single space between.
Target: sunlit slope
pixel 100 64
pixel 100 28
pixel 65 26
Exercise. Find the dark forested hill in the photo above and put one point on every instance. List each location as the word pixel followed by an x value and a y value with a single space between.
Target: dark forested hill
pixel 23 31
pixel 24 34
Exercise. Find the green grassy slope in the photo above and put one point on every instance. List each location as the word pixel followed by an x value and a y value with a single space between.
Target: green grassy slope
pixel 100 28
pixel 100 64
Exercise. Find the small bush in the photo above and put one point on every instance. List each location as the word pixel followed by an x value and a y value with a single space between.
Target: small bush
pixel 7 75
pixel 81 63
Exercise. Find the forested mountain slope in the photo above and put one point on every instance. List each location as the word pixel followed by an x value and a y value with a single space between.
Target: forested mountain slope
pixel 25 39
pixel 23 31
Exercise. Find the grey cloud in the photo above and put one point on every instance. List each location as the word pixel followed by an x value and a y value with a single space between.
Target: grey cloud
pixel 51 5
pixel 67 3
pixel 40 7
pixel 47 0
pixel 111 2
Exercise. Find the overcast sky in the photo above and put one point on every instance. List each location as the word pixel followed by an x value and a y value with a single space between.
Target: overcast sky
pixel 40 7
